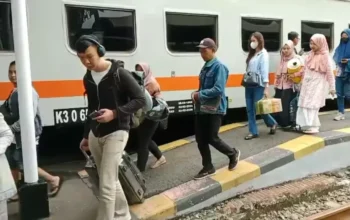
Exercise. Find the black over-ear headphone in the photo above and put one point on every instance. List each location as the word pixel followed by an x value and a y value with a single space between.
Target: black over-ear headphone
pixel 101 50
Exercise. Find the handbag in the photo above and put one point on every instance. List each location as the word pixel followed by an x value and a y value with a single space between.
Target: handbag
pixel 251 79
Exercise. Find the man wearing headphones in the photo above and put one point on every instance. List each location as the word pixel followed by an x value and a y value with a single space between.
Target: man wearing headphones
pixel 107 127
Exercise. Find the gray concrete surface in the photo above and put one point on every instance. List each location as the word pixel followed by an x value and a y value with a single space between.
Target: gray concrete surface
pixel 75 201
pixel 327 159
pixel 185 162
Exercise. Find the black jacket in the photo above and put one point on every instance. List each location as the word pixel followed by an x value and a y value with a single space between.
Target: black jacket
pixel 129 95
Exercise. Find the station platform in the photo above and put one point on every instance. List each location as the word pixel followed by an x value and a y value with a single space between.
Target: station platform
pixel 184 161
pixel 171 188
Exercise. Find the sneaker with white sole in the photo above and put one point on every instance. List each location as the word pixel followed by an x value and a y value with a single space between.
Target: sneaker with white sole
pixel 339 116
pixel 159 162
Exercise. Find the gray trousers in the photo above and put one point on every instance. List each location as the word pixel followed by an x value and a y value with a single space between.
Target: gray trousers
pixel 107 152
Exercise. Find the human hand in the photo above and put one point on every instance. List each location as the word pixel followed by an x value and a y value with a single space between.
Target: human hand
pixel 332 92
pixel 291 76
pixel 84 145
pixel 266 92
pixel 195 96
pixel 106 116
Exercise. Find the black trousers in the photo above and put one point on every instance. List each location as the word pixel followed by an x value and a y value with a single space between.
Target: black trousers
pixel 286 95
pixel 207 132
pixel 145 133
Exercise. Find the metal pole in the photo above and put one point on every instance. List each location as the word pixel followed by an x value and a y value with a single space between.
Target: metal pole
pixel 24 86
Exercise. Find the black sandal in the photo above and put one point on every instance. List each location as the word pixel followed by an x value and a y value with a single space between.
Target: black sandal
pixel 56 189
pixel 251 136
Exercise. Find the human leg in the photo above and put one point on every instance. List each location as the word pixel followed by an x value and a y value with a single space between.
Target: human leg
pixel 308 120
pixel 268 119
pixel 153 147
pixel 113 203
pixel 339 87
pixel 201 134
pixel 250 105
pixel 215 141
pixel 145 133
pixel 283 118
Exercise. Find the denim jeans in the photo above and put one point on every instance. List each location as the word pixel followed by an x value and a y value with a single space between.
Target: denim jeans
pixel 252 96
pixel 343 92
pixel 107 152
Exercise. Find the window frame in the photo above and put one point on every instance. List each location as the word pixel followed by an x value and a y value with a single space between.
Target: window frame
pixel 318 22
pixel 259 17
pixel 99 6
pixel 188 12
pixel 9 52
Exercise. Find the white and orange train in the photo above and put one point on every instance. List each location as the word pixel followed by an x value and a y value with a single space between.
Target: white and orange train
pixel 163 33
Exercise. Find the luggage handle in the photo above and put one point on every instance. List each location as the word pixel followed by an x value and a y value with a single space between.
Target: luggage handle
pixel 89 158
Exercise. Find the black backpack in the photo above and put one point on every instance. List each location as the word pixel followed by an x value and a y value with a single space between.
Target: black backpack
pixel 139 116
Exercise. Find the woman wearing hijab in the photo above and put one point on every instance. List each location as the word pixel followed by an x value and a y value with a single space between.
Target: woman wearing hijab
pixel 342 81
pixel 318 75
pixel 284 85
pixel 148 127
pixel 7 184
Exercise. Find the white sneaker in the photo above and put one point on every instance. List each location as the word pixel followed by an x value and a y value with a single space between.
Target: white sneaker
pixel 339 116
pixel 159 162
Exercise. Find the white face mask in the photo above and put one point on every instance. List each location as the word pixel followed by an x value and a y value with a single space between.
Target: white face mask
pixel 253 45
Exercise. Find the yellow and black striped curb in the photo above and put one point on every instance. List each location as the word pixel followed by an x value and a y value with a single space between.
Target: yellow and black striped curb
pixel 170 202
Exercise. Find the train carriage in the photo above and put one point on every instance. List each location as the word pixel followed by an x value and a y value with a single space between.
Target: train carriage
pixel 163 33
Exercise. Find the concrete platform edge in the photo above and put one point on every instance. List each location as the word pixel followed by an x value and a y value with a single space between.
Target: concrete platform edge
pixel 170 202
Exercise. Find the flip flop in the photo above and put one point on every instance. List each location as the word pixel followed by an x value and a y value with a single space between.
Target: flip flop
pixel 55 190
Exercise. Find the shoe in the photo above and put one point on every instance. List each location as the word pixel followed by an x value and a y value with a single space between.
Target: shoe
pixel 205 173
pixel 311 131
pixel 159 162
pixel 339 116
pixel 273 129
pixel 234 160
pixel 251 136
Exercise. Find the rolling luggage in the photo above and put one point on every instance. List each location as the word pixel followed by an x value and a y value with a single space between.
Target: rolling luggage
pixel 293 108
pixel 131 179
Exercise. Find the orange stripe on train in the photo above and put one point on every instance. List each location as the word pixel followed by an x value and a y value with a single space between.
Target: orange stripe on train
pixel 70 88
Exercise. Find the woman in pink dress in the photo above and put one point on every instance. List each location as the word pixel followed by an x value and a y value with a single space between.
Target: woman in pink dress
pixel 284 86
pixel 318 77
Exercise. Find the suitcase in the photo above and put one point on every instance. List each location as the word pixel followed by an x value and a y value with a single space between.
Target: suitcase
pixel 293 108
pixel 131 179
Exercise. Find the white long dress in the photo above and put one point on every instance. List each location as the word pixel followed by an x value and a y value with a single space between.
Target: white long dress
pixel 314 89
pixel 7 185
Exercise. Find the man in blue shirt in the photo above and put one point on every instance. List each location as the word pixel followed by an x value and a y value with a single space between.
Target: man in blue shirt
pixel 210 107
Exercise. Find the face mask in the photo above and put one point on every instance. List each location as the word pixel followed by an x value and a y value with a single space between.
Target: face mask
pixel 344 39
pixel 253 45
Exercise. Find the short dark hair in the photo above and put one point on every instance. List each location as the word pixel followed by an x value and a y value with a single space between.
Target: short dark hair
pixel 12 63
pixel 292 35
pixel 82 44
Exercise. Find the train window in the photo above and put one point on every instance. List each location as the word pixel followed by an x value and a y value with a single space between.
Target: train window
pixel 309 28
pixel 114 27
pixel 6 33
pixel 271 29
pixel 185 31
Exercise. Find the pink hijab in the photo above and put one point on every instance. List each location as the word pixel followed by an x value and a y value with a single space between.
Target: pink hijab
pixel 151 83
pixel 318 60
pixel 282 68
